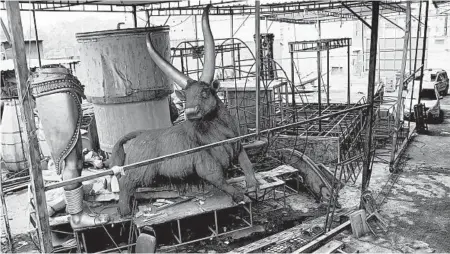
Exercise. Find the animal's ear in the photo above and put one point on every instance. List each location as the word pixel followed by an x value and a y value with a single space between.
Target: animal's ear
pixel 215 85
pixel 181 94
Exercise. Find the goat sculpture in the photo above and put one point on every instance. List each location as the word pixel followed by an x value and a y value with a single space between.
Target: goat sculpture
pixel 207 121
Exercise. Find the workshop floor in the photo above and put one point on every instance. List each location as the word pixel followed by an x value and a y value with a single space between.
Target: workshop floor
pixel 418 207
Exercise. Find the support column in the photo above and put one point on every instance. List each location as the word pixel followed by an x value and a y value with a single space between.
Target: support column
pixel 400 85
pixel 319 74
pixel 258 61
pixel 196 39
pixel 232 41
pixel 147 17
pixel 328 76
pixel 292 84
pixel 415 65
pixel 348 74
pixel 424 48
pixel 31 141
pixel 319 84
pixel 37 37
pixel 134 16
pixel 367 170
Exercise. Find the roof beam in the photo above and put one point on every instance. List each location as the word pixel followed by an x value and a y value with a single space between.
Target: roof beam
pixel 390 21
pixel 356 15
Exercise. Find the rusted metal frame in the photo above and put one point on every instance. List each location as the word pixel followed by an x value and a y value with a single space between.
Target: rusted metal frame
pixel 356 15
pixel 33 155
pixel 400 86
pixel 367 170
pixel 6 218
pixel 424 48
pixel 196 149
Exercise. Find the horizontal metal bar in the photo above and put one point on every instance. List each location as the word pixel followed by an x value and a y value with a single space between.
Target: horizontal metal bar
pixel 193 150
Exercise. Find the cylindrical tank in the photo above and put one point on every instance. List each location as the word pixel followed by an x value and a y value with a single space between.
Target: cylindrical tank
pixel 128 91
pixel 12 135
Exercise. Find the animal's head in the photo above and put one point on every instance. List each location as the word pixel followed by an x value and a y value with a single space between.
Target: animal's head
pixel 200 96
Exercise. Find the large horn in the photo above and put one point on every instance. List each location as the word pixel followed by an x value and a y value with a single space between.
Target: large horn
pixel 179 78
pixel 210 55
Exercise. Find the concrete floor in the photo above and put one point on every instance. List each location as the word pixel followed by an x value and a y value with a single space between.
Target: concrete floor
pixel 418 207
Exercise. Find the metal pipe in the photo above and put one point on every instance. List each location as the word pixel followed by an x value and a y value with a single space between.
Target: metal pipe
pixel 258 62
pixel 367 171
pixel 134 16
pixel 399 110
pixel 5 31
pixel 328 76
pixel 319 73
pixel 196 149
pixel 196 39
pixel 37 37
pixel 147 17
pixel 348 74
pixel 424 48
pixel 292 85
pixel 319 84
pixel 415 63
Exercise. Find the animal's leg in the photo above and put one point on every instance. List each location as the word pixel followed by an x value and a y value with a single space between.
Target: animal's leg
pixel 128 184
pixel 211 171
pixel 247 167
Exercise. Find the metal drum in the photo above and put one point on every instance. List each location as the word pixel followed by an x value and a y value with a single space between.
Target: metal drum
pixel 12 136
pixel 128 91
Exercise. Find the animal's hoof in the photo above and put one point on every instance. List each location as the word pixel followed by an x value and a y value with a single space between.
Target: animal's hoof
pixel 124 210
pixel 238 198
pixel 252 185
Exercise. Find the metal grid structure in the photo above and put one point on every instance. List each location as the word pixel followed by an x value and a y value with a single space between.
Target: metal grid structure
pixel 286 11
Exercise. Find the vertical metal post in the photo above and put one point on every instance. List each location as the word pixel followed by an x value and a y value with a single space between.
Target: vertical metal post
pixel 232 41
pixel 291 49
pixel 328 76
pixel 4 211
pixel 424 47
pixel 134 16
pixel 415 63
pixel 348 74
pixel 258 61
pixel 31 141
pixel 319 74
pixel 362 48
pixel 400 86
pixel 367 171
pixel 37 37
pixel 196 39
pixel 319 84
pixel 147 17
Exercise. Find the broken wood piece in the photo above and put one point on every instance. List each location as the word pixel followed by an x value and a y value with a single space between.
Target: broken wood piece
pixel 359 223
pixel 330 247
pixel 313 244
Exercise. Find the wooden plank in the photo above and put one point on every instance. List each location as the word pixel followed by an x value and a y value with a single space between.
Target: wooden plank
pixel 310 246
pixel 31 140
pixel 329 247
